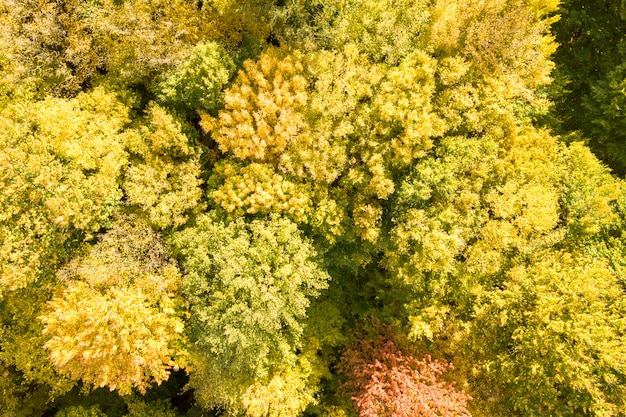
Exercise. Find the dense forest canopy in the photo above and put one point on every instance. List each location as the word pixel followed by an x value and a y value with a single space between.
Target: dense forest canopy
pixel 312 208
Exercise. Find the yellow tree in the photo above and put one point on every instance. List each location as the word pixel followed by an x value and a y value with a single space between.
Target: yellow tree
pixel 520 217
pixel 163 176
pixel 61 162
pixel 64 46
pixel 115 320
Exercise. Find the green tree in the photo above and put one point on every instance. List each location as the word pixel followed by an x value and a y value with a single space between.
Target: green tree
pixel 29 382
pixel 197 83
pixel 159 408
pixel 590 70
pixel 80 411
pixel 249 285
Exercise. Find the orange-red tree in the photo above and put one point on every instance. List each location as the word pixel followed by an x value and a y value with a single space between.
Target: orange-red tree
pixel 384 381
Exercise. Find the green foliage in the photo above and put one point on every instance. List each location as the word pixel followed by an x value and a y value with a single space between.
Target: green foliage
pixel 85 397
pixel 29 381
pixel 80 411
pixel 590 69
pixel 160 408
pixel 591 197
pixel 604 107
pixel 23 341
pixel 196 85
pixel 249 285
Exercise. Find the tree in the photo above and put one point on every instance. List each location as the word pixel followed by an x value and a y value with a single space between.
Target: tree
pixel 80 411
pixel 384 381
pixel 163 177
pixel 196 85
pixel 453 247
pixel 557 326
pixel 114 321
pixel 160 408
pixel 590 67
pixel 29 382
pixel 248 285
pixel 62 162
pixel 62 47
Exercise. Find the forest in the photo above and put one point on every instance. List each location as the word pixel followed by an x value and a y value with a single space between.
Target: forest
pixel 312 208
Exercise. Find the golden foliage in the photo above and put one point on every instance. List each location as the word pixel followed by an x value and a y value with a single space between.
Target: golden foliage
pixel 236 20
pixel 116 339
pixel 366 220
pixel 262 113
pixel 65 45
pixel 61 161
pixel 404 109
pixel 115 322
pixel 164 178
pixel 257 188
pixel 385 30
pixel 504 39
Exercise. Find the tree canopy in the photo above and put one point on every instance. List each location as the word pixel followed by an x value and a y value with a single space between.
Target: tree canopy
pixel 309 208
